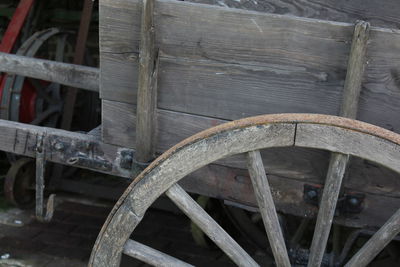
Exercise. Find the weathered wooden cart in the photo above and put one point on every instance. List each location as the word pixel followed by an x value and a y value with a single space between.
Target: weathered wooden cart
pixel 171 69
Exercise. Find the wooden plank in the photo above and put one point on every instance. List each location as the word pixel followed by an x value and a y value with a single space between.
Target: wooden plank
pixel 297 163
pixel 260 53
pixel 267 208
pixel 68 148
pixel 209 226
pixel 62 73
pixel 288 69
pixel 382 13
pixel 173 127
pixel 151 256
pixel 147 87
pixel 235 186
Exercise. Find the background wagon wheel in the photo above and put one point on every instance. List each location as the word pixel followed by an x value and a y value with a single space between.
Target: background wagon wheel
pixel 339 135
pixel 19 183
pixel 34 101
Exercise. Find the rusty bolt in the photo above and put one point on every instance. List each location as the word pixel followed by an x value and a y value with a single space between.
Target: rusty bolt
pixel 312 194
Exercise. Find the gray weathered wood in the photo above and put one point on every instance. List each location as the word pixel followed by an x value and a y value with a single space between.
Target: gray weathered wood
pixel 111 249
pixel 58 72
pixel 151 256
pixel 288 70
pixel 338 162
pixel 373 144
pixel 267 208
pixel 327 208
pixel 209 226
pixel 382 13
pixel 234 185
pixel 305 164
pixel 355 70
pixel 348 142
pixel 63 147
pixel 147 86
pixel 223 182
pixel 377 242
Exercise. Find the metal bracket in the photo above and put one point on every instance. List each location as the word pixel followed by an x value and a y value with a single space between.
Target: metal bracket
pixel 348 202
pixel 40 174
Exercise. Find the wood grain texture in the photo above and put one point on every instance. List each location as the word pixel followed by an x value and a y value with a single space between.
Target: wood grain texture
pixel 147 86
pixel 267 208
pixel 151 256
pixel 234 185
pixel 355 70
pixel 348 142
pixel 338 162
pixel 173 127
pixel 377 242
pixel 327 207
pixel 21 139
pixel 382 14
pixel 220 71
pixel 209 226
pixel 297 163
pixel 234 138
pixel 58 72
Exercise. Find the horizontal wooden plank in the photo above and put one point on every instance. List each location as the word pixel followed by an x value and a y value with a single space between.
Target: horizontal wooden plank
pixel 221 65
pixel 63 73
pixel 295 163
pixel 64 147
pixel 383 13
pixel 224 183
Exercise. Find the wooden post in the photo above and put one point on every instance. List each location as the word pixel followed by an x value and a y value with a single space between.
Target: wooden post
pixel 147 87
pixel 338 162
pixel 355 70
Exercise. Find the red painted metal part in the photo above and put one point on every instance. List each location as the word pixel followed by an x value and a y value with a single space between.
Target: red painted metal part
pixel 13 30
pixel 15 26
pixel 27 108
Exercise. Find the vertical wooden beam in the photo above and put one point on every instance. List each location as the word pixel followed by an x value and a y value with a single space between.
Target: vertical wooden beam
pixel 147 87
pixel 338 162
pixel 355 70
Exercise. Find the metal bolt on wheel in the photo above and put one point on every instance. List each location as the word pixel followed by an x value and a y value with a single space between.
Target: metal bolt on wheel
pixel 343 136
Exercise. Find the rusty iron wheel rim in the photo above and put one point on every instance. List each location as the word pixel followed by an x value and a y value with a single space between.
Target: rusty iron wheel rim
pixel 137 204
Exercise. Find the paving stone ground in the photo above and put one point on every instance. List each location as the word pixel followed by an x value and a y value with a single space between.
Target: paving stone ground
pixel 68 239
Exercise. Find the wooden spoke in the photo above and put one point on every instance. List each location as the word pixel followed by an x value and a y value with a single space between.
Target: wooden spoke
pixel 377 242
pixel 327 208
pixel 41 92
pixel 151 256
pixel 45 114
pixel 210 227
pixel 339 135
pixel 267 207
pixel 338 162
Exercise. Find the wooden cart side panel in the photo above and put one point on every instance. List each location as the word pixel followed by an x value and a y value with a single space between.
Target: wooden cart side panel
pixel 263 45
pixel 229 64
pixel 306 165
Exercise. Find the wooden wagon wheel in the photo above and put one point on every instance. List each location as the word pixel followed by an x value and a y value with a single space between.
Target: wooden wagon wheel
pixel 336 134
